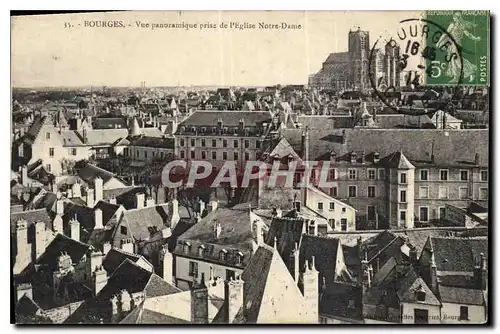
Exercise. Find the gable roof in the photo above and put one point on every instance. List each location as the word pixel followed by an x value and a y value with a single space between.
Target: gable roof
pixel 458 254
pixel 90 172
pixel 62 244
pixel 459 295
pixel 140 221
pixel 416 144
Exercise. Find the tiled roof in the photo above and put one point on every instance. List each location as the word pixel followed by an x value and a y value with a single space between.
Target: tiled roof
pixel 324 250
pixel 235 236
pixel 288 233
pixel 141 220
pixel 336 301
pixel 94 137
pixel 458 254
pixel 90 172
pixel 108 210
pixel 115 257
pixel 60 244
pixel 337 57
pixel 450 146
pixel 152 142
pixel 404 121
pixel 229 118
pixel 408 287
pixel 456 295
pixel 124 196
pixel 109 123
pixel 31 217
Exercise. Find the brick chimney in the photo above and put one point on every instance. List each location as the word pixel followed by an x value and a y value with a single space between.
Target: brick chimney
pixel 167 265
pixel 90 198
pixel 57 224
pixel 74 229
pixel 98 219
pixel 150 201
pixel 106 247
pixel 233 298
pixel 24 175
pixel 40 239
pixel 76 189
pixel 139 200
pixel 199 301
pixel 98 187
pixel 99 279
pixel 125 303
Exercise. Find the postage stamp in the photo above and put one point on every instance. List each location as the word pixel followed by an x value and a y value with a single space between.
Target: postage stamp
pixel 468 36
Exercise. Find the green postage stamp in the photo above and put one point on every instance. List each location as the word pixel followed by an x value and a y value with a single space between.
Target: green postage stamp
pixel 463 39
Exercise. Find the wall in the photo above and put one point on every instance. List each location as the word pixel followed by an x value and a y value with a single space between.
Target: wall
pixel 41 146
pixel 315 196
pixel 409 316
pixel 450 314
pixel 182 270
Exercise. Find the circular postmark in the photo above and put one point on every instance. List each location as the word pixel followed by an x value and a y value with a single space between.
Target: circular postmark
pixel 420 51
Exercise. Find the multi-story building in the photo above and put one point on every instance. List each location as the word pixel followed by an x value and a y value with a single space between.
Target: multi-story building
pixel 220 136
pixel 397 177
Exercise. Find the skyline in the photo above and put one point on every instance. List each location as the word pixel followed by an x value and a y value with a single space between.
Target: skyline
pixel 114 57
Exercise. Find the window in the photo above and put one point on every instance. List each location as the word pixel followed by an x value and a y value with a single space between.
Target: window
pixel 222 255
pixel 484 175
pixel 463 192
pixel 230 274
pixel 443 192
pixel 343 210
pixel 402 178
pixel 352 191
pixel 181 142
pixel 214 143
pixel 424 175
pixel 186 248
pixel 333 191
pixel 320 206
pixel 51 151
pixel 371 191
pixel 20 150
pixel 402 216
pixel 193 268
pixel 332 206
pixel 332 174
pixel 201 251
pixel 464 313
pixel 442 212
pixel 421 296
pixel 247 143
pixel 203 143
pixel 352 174
pixel 343 224
pixel 371 174
pixel 424 214
pixel 214 155
pixel 381 174
pixel 371 212
pixel 123 230
pixel 443 173
pixel 49 168
pixel 239 258
pixel 423 192
pixel 224 143
pixel 350 303
pixel 193 142
pixel 182 155
pixel 145 154
pixel 402 196
pixel 257 144
pixel 247 156
pixel 224 155
pixel 47 135
pixel 235 144
pixel 464 175
pixel 235 156
pixel 421 316
pixel 203 155
pixel 483 193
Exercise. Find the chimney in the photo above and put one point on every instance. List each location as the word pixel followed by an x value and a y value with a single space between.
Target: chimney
pixel 217 230
pixel 76 189
pixel 60 207
pixel 98 219
pixel 481 274
pixel 343 137
pixel 175 213
pixel 199 301
pixel 112 200
pixel 305 144
pixel 21 236
pixel 90 198
pixel 311 290
pixel 279 213
pixel 40 239
pixel 294 263
pixel 24 289
pixel 99 279
pixel 363 157
pixel 24 175
pixel 201 206
pixel 125 302
pixel 106 247
pixel 476 159
pixel 139 200
pixel 57 224
pixel 98 187
pixel 433 273
pixel 74 229
pixel 233 298
pixel 127 245
pixel 167 265
pixel 150 201
pixel 413 255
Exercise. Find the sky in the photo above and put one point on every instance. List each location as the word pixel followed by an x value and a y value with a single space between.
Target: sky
pixel 45 53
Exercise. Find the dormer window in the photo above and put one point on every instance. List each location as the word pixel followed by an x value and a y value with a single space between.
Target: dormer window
pixel 214 130
pixel 203 129
pixel 201 250
pixel 421 295
pixel 47 135
pixel 223 255
pixel 193 129
pixel 376 157
pixel 186 247
pixel 224 130
pixel 353 157
pixel 239 258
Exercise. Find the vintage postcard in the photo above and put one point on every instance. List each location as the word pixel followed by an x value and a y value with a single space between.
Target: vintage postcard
pixel 259 167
